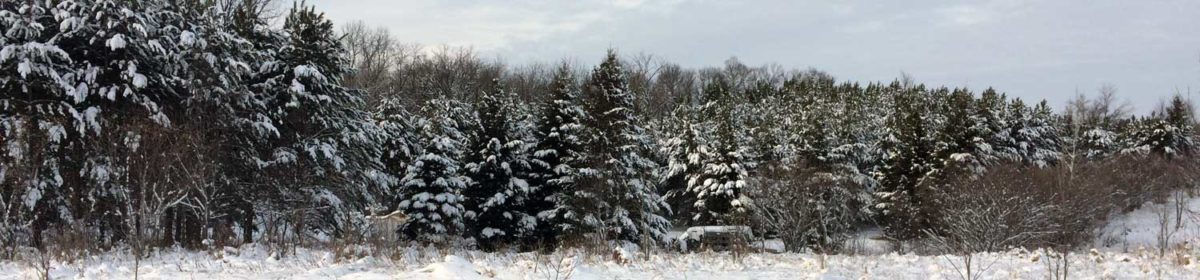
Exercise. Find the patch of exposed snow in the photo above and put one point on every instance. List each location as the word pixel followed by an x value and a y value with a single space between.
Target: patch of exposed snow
pixel 24 68
pixel 116 42
pixel 453 267
pixel 1143 228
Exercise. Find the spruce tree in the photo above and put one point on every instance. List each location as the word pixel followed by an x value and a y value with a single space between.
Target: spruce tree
pixel 399 141
pixel 430 191
pixel 1179 116
pixel 39 108
pixel 719 187
pixel 682 149
pixel 962 139
pixel 907 150
pixel 714 168
pixel 629 207
pixel 991 122
pixel 327 147
pixel 1166 133
pixel 1039 139
pixel 496 195
pixel 558 164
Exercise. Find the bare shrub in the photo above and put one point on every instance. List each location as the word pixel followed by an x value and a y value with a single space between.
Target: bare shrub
pixel 1057 208
pixel 556 266
pixel 808 208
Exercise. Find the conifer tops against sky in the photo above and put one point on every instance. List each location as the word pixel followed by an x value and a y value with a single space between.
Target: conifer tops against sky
pixel 1032 49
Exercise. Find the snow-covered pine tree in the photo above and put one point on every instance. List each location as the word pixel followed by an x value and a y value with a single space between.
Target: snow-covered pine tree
pixel 252 129
pixel 964 144
pixel 1097 142
pixel 719 186
pixel 398 140
pixel 714 169
pixel 430 191
pixel 907 152
pixel 630 209
pixel 496 195
pixel 814 133
pixel 1181 115
pixel 38 111
pixel 128 74
pixel 991 121
pixel 687 134
pixel 220 110
pixel 33 65
pixel 851 161
pixel 558 164
pixel 1166 133
pixel 1038 138
pixel 769 142
pixel 326 149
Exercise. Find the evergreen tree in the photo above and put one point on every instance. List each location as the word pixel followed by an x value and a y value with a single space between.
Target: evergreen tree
pixel 559 164
pixel 399 141
pixel 991 122
pixel 1179 115
pixel 127 74
pixel 39 110
pixel 961 137
pixel 907 151
pixel 496 195
pixel 327 147
pixel 1097 142
pixel 429 193
pixel 684 159
pixel 629 207
pixel 1167 134
pixel 715 169
pixel 1037 137
pixel 720 188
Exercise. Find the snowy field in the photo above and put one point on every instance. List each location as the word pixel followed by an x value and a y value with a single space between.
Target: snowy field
pixel 1125 252
pixel 255 264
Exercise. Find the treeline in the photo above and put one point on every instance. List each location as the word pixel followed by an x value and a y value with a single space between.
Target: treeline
pixel 201 123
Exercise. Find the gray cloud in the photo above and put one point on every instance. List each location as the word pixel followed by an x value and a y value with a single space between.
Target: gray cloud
pixel 1030 49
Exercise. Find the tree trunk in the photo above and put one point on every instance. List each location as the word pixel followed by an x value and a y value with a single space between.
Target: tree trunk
pixel 247 223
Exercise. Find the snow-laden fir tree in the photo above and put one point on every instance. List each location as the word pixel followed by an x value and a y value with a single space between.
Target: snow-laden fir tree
pixel 219 66
pixel 37 112
pixel 720 187
pixel 496 195
pixel 684 136
pixel 714 169
pixel 991 121
pixel 963 141
pixel 1037 137
pixel 128 76
pixel 399 142
pixel 814 134
pixel 1180 115
pixel 326 151
pixel 1097 143
pixel 629 207
pixel 1167 133
pixel 907 154
pixel 430 191
pixel 558 164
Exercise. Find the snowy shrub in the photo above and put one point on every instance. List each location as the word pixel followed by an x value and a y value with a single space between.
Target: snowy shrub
pixel 1014 205
pixel 809 208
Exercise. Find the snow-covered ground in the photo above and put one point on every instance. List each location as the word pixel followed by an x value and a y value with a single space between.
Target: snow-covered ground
pixel 1142 228
pixel 1125 253
pixel 256 264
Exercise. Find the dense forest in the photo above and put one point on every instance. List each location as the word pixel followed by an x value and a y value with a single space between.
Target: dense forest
pixel 202 123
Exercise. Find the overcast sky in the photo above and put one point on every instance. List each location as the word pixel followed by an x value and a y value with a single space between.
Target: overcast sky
pixel 1031 49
